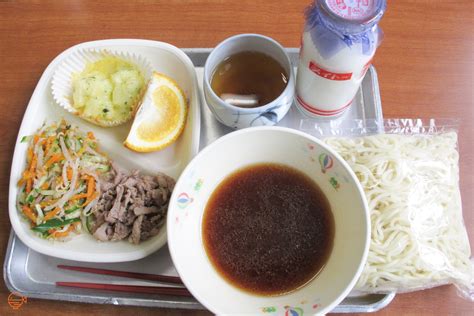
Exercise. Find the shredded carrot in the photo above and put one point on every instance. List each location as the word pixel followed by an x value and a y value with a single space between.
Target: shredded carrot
pixel 54 158
pixel 69 173
pixel 91 195
pixel 35 139
pixel 25 176
pixel 34 161
pixel 90 135
pixel 31 173
pixel 45 186
pixel 29 213
pixel 90 186
pixel 46 145
pixel 90 199
pixel 51 214
pixel 28 175
pixel 49 142
pixel 29 154
pixel 64 233
pixel 29 184
pixel 32 167
pixel 49 202
pixel 79 196
pixel 61 234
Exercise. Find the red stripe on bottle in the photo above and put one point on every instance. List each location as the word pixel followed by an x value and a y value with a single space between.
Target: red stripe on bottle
pixel 316 111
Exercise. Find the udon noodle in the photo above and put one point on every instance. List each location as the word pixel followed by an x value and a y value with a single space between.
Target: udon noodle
pixel 412 187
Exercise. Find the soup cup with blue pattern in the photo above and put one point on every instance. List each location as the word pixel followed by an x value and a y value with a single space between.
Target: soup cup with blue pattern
pixel 240 117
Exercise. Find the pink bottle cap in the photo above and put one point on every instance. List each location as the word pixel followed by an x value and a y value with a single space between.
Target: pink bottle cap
pixel 352 9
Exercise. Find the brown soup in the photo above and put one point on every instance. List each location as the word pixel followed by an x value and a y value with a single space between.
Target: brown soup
pixel 249 79
pixel 268 229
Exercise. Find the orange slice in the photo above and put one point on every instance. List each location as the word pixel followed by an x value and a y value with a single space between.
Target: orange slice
pixel 161 116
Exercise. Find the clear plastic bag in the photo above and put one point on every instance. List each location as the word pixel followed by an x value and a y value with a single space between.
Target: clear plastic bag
pixel 410 175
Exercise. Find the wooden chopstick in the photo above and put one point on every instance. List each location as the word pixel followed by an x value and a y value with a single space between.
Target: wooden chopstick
pixel 175 291
pixel 126 274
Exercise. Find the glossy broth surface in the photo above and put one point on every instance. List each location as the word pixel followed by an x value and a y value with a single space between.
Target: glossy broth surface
pixel 249 79
pixel 268 229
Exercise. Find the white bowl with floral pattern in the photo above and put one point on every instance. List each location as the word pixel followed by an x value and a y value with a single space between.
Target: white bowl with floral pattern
pixel 269 145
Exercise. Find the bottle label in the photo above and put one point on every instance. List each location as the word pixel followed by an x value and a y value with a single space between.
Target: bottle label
pixel 328 74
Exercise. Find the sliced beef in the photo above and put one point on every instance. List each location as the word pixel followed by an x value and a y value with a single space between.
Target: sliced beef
pixel 101 232
pixel 143 210
pixel 136 230
pixel 113 213
pixel 131 205
pixel 121 231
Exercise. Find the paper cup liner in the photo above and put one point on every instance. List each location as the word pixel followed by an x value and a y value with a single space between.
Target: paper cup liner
pixel 75 63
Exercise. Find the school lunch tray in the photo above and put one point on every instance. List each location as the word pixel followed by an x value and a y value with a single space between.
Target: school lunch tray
pixel 33 275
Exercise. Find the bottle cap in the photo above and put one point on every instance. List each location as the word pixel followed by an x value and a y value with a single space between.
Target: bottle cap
pixel 351 16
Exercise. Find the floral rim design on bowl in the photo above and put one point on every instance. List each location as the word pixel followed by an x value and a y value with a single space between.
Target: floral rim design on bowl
pixel 290 310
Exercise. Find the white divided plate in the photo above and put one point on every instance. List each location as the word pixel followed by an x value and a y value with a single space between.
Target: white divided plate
pixel 165 59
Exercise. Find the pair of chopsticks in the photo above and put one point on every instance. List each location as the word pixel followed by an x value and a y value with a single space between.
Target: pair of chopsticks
pixel 162 290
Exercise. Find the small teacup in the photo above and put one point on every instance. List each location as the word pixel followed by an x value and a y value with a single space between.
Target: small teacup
pixel 240 117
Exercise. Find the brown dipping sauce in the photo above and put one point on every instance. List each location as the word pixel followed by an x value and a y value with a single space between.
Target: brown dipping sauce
pixel 249 79
pixel 268 229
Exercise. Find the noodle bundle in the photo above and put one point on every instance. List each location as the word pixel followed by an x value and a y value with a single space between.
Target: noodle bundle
pixel 412 187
